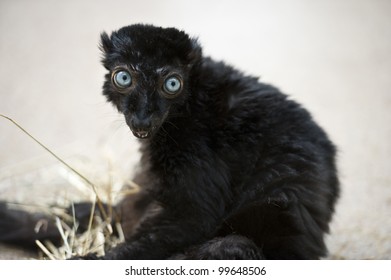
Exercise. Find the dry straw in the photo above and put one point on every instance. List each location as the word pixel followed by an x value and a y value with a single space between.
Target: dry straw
pixel 99 234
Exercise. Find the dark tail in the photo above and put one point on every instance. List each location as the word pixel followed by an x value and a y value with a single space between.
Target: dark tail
pixel 23 228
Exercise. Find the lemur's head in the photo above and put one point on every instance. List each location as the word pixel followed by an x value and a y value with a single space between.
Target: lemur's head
pixel 148 73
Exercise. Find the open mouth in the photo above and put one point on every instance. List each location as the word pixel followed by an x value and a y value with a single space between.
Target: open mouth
pixel 141 134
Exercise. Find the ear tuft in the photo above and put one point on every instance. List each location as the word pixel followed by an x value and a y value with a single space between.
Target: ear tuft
pixel 196 52
pixel 106 45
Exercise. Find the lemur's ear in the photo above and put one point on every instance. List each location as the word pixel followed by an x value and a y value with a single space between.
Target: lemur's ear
pixel 196 52
pixel 106 44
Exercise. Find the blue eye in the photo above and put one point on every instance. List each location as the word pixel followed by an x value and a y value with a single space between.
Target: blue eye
pixel 172 85
pixel 122 79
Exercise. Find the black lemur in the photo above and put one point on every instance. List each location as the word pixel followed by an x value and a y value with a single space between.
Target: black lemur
pixel 231 167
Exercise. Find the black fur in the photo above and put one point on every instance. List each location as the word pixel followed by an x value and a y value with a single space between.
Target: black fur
pixel 232 168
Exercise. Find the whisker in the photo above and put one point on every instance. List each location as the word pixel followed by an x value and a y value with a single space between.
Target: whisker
pixel 166 133
pixel 171 123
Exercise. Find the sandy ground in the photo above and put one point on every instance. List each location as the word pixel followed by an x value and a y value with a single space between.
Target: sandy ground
pixel 332 56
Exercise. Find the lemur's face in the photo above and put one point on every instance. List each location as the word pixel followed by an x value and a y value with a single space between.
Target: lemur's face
pixel 146 93
pixel 148 74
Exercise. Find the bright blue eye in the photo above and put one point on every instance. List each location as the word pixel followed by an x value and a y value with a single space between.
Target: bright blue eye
pixel 122 79
pixel 172 85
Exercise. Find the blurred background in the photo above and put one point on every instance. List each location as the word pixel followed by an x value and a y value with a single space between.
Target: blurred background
pixel 332 56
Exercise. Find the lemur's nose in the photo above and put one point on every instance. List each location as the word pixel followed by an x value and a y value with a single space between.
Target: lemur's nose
pixel 141 124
